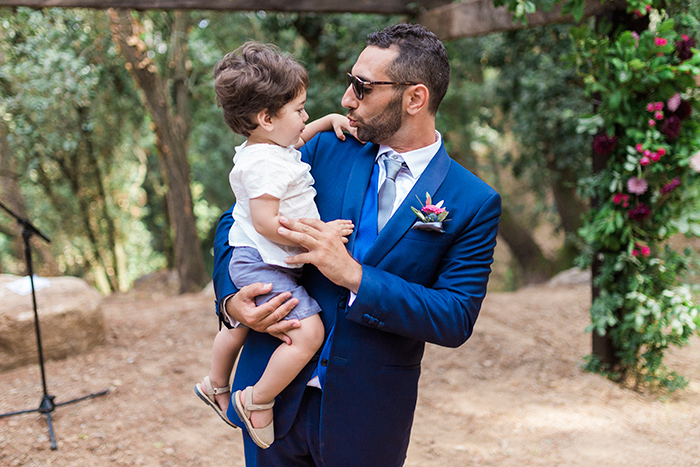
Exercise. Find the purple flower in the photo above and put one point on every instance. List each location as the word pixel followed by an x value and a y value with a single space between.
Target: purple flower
pixel 683 48
pixel 604 143
pixel 637 185
pixel 671 126
pixel 640 212
pixel 684 110
pixel 670 186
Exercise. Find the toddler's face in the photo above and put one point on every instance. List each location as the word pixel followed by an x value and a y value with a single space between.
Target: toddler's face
pixel 290 121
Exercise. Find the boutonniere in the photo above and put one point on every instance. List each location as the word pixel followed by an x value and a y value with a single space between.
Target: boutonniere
pixel 430 216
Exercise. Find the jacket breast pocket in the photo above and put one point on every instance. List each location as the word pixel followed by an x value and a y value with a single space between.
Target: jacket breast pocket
pixel 416 257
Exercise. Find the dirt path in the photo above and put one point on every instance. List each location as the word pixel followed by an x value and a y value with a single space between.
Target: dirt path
pixel 512 396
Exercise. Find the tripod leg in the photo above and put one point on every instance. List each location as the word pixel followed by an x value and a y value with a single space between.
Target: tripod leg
pixel 53 439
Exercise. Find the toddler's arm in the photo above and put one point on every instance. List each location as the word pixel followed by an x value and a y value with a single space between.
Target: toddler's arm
pixel 264 212
pixel 335 122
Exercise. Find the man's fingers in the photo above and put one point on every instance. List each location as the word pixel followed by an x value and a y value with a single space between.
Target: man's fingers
pixel 253 290
pixel 277 308
pixel 280 330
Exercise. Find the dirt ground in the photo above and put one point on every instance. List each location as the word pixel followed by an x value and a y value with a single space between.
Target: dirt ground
pixel 513 395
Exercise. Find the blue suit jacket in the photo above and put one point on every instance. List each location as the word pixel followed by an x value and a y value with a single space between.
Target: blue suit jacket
pixel 417 286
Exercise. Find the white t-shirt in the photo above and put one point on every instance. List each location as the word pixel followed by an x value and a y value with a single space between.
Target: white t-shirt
pixel 277 171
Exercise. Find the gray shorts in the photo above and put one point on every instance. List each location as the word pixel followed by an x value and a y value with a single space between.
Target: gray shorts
pixel 247 267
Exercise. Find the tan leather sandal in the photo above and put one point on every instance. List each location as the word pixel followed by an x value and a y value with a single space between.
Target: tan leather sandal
pixel 207 394
pixel 263 437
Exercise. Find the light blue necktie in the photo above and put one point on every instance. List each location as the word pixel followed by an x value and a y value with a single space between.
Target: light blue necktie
pixel 387 195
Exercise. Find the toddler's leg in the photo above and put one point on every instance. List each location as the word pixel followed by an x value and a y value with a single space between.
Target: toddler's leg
pixel 227 345
pixel 284 365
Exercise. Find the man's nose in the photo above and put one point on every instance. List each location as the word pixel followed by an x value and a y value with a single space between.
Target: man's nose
pixel 349 101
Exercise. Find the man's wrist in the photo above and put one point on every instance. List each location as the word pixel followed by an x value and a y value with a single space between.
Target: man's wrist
pixel 354 278
pixel 224 312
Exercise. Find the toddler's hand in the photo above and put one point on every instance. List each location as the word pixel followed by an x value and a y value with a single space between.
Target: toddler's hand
pixel 340 125
pixel 343 228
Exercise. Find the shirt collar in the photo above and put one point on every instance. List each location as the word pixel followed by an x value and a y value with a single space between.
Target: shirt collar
pixel 418 159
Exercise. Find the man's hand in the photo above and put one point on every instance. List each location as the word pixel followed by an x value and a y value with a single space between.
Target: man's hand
pixel 325 250
pixel 267 317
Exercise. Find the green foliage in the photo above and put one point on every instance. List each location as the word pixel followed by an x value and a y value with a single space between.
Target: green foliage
pixel 647 126
pixel 68 105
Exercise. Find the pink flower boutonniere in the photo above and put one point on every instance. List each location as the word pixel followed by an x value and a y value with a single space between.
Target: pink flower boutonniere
pixel 430 216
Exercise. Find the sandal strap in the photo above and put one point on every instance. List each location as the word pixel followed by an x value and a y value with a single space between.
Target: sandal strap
pixel 212 390
pixel 249 406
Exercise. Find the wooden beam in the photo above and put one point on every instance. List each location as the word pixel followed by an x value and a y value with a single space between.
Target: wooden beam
pixel 320 6
pixel 479 17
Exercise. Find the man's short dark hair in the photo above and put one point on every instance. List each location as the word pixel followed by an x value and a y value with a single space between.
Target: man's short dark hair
pixel 422 58
pixel 255 77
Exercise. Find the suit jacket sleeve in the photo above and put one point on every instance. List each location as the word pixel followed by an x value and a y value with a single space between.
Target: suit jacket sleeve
pixel 442 310
pixel 223 287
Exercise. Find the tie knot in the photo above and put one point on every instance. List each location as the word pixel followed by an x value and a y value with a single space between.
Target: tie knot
pixel 393 165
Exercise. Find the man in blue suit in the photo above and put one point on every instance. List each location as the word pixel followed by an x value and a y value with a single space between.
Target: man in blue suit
pixel 397 284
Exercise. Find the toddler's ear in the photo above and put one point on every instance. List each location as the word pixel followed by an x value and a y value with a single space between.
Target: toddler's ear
pixel 264 120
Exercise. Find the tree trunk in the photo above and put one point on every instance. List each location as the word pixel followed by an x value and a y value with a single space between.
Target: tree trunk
pixel 171 121
pixel 569 207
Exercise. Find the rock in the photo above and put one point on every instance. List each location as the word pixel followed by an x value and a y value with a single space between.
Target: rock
pixel 70 319
pixel 573 276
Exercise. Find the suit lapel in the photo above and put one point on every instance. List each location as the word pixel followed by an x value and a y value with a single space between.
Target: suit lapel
pixel 403 218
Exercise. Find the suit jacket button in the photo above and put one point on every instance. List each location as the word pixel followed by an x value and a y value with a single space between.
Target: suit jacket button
pixel 324 362
pixel 366 318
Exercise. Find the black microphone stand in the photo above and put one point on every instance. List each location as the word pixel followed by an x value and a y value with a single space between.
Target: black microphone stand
pixel 47 402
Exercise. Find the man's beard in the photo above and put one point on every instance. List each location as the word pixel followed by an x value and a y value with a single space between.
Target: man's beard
pixel 380 128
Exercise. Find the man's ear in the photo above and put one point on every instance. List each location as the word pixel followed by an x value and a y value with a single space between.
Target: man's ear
pixel 416 98
pixel 264 120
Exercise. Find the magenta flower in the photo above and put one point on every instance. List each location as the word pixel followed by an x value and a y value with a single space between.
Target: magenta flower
pixel 661 152
pixel 621 198
pixel 641 249
pixel 639 147
pixel 639 213
pixel 637 185
pixel 670 186
pixel 652 122
pixel 659 106
pixel 432 209
pixel 659 115
pixel 651 106
pixel 660 41
pixel 644 161
pixel 655 156
pixel 604 143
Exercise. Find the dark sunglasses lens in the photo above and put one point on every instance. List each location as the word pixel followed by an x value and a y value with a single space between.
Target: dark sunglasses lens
pixel 356 86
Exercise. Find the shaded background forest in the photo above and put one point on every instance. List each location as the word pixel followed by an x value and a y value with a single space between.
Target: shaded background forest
pixel 111 142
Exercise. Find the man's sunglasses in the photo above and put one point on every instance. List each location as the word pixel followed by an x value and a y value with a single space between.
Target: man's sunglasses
pixel 358 85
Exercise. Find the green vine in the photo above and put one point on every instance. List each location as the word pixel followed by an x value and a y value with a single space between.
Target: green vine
pixel 646 124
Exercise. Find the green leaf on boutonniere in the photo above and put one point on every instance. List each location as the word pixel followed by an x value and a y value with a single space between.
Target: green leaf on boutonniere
pixel 419 214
